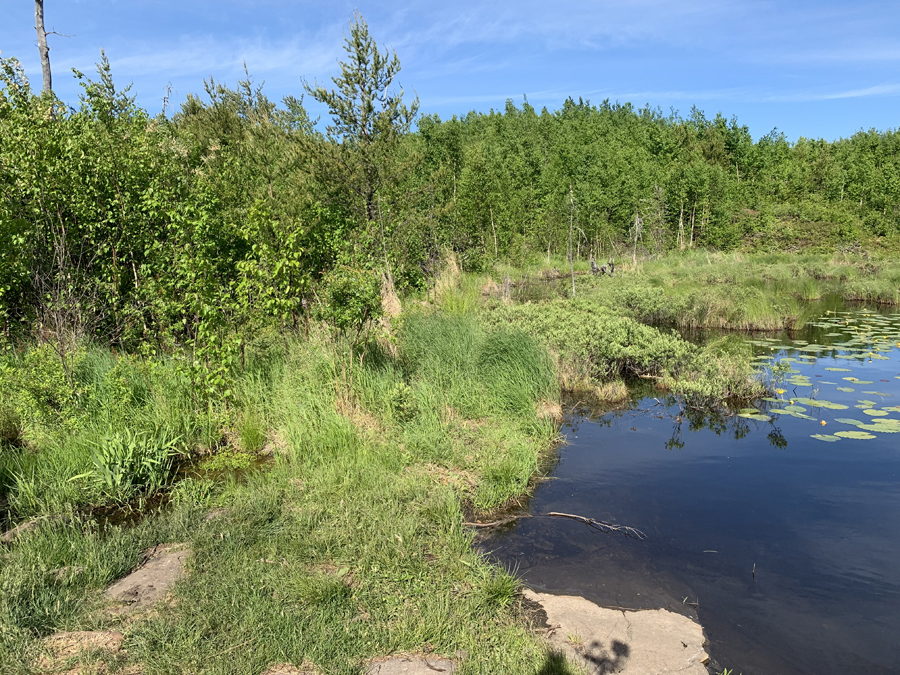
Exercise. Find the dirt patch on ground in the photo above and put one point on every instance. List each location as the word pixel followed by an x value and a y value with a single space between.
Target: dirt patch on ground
pixel 74 653
pixel 411 665
pixel 162 567
pixel 289 669
pixel 616 641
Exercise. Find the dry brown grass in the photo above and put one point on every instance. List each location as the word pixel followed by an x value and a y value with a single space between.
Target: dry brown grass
pixel 78 652
pixel 459 479
pixel 449 277
pixel 550 411
pixel 305 668
pixel 390 301
pixel 611 392
pixel 347 406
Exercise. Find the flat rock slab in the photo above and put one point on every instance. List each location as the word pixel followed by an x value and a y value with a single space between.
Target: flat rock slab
pixel 163 566
pixel 642 642
pixel 411 665
pixel 60 648
pixel 10 536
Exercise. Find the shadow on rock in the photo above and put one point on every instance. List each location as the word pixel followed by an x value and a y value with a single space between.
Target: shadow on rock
pixel 607 663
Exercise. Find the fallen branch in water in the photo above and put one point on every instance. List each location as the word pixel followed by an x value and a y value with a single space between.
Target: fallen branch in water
pixel 600 526
pixel 502 521
pixel 597 525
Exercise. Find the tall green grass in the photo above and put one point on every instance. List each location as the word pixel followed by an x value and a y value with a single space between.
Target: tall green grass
pixel 350 546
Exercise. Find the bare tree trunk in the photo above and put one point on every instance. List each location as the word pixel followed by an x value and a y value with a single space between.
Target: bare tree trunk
pixel 681 228
pixel 693 214
pixel 43 49
pixel 571 224
pixel 493 227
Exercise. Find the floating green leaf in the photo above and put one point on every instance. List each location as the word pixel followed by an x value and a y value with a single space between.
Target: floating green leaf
pixel 758 418
pixel 858 435
pixel 846 389
pixel 881 428
pixel 874 413
pixel 840 370
pixel 825 437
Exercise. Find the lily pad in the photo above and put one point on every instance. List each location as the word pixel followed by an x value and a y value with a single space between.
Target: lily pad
pixel 874 413
pixel 840 370
pixel 757 417
pixel 846 389
pixel 825 437
pixel 858 435
pixel 881 428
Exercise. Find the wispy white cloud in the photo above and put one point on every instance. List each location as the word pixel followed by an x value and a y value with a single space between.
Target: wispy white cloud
pixel 865 92
pixel 206 55
pixel 658 97
pixel 579 24
pixel 845 54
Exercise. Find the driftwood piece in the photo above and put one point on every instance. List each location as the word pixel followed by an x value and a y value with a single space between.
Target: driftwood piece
pixel 601 526
pixel 596 525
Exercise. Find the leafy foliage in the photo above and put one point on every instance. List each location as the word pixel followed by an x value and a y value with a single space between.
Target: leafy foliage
pixel 131 462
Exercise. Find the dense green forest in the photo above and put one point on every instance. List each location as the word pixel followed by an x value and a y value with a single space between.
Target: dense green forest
pixel 197 228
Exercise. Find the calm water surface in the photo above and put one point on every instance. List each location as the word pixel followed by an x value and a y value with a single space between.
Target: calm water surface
pixel 720 496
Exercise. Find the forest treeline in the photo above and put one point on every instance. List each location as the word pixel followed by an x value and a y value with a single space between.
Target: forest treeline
pixel 198 228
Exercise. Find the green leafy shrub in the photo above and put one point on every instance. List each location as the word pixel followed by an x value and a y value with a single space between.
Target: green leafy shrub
pixel 352 298
pixel 10 425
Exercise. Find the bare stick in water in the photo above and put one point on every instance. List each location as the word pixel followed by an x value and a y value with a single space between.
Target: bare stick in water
pixel 601 526
pixel 597 525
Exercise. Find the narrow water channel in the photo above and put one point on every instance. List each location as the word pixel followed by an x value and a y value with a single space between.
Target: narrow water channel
pixel 781 534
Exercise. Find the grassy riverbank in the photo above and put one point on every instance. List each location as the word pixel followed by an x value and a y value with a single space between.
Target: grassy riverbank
pixel 350 545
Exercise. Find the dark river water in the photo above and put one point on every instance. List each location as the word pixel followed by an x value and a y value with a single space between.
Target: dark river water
pixel 785 546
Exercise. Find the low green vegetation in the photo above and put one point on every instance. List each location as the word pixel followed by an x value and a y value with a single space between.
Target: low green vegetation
pixel 349 545
pixel 595 345
pixel 695 290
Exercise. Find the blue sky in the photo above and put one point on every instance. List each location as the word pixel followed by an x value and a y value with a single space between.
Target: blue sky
pixel 815 69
